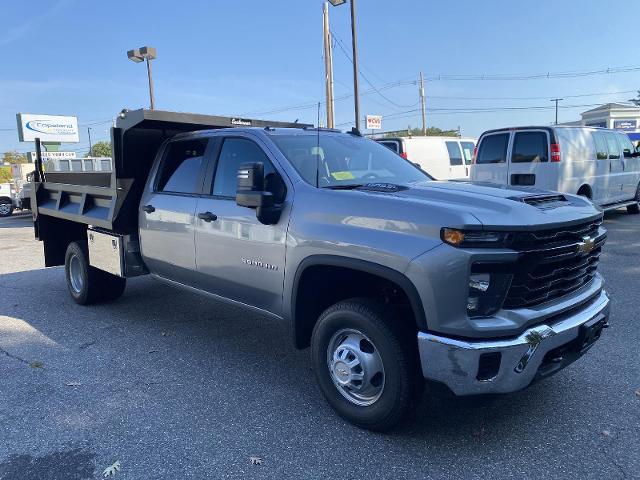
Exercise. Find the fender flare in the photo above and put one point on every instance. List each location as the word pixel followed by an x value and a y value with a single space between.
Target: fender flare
pixel 359 265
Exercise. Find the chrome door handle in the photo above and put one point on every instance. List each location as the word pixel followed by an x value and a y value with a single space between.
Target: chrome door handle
pixel 207 216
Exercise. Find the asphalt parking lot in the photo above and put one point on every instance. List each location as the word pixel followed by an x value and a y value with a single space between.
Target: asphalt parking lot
pixel 173 385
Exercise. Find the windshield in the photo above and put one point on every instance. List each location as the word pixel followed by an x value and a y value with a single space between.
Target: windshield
pixel 345 160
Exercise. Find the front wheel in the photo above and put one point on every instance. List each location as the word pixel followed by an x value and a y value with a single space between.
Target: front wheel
pixel 6 208
pixel 366 363
pixel 635 208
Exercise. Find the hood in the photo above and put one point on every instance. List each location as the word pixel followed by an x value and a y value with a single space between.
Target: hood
pixel 497 206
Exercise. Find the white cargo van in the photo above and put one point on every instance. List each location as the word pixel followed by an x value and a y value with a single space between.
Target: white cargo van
pixel 599 163
pixel 444 158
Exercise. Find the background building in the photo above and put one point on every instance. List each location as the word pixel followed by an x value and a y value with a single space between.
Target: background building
pixel 620 116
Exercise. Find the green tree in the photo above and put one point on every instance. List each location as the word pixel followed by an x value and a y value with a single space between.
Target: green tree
pixel 100 149
pixel 417 132
pixel 636 101
pixel 14 157
pixel 5 175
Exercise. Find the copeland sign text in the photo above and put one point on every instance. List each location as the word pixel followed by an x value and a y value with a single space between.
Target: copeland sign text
pixel 48 128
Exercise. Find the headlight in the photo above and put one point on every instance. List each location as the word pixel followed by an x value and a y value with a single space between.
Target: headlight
pixel 486 293
pixel 474 238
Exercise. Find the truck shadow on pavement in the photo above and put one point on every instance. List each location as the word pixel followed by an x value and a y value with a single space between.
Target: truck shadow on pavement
pixel 159 346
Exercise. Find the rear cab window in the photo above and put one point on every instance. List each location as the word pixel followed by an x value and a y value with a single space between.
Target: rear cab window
pixel 455 155
pixel 530 147
pixel 181 167
pixel 493 148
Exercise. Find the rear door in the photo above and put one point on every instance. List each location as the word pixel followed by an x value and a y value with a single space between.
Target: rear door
pixel 616 167
pixel 529 163
pixel 491 159
pixel 237 256
pixel 167 210
pixel 457 168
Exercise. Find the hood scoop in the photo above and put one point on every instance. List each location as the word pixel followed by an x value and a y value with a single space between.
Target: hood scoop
pixel 543 202
pixel 382 187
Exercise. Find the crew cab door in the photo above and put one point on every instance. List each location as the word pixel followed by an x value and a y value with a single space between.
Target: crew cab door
pixel 167 210
pixel 491 159
pixel 237 256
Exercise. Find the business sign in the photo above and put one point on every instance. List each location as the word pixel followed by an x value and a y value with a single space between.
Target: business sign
pixel 627 125
pixel 48 128
pixel 374 122
pixel 52 156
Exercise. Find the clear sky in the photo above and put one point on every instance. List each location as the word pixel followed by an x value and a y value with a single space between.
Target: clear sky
pixel 256 58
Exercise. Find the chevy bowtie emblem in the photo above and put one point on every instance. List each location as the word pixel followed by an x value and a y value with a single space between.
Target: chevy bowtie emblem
pixel 586 245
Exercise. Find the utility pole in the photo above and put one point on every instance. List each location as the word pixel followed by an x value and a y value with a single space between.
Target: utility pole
pixel 90 146
pixel 556 100
pixel 424 106
pixel 328 64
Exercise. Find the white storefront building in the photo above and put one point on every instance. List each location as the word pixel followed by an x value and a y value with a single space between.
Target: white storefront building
pixel 619 116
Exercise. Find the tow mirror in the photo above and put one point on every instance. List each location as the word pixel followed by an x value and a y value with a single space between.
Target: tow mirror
pixel 250 193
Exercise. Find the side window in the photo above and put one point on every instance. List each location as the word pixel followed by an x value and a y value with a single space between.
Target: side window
pixel 612 144
pixel 601 146
pixel 530 147
pixel 181 166
pixel 455 156
pixel 236 151
pixel 493 149
pixel 627 146
pixel 467 151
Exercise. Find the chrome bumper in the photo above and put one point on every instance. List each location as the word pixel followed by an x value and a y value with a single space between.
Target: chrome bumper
pixel 521 360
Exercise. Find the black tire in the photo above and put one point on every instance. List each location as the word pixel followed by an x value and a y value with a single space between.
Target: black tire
pixel 6 208
pixel 87 284
pixel 635 208
pixel 395 342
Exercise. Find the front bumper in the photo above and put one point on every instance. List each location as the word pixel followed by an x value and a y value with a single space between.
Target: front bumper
pixel 506 365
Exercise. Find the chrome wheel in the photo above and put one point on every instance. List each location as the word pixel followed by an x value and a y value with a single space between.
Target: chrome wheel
pixel 76 276
pixel 355 367
pixel 5 209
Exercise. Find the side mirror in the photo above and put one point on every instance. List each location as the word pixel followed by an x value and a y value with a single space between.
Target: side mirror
pixel 250 193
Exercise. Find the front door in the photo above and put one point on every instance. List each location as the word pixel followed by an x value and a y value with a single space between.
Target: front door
pixel 457 168
pixel 237 256
pixel 167 210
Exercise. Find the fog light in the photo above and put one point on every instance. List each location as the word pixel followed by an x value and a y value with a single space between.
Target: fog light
pixel 480 282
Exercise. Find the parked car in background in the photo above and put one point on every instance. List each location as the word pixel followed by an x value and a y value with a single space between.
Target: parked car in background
pixel 597 163
pixel 444 158
pixel 7 199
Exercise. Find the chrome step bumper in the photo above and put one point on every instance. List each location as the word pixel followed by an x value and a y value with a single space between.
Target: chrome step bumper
pixel 521 360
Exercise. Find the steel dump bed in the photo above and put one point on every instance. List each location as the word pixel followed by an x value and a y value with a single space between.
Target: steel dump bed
pixel 110 199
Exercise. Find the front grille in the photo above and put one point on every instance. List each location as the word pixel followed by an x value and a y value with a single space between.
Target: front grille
pixel 554 263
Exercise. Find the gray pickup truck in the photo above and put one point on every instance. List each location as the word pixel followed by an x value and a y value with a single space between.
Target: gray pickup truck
pixel 390 277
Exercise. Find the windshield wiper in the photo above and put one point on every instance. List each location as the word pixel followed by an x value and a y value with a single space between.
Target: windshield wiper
pixel 344 187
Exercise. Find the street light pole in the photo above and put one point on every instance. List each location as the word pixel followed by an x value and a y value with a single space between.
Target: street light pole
pixel 328 64
pixel 90 146
pixel 140 55
pixel 150 83
pixel 556 100
pixel 354 45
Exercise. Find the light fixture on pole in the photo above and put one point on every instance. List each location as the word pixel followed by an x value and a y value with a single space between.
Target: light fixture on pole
pixel 354 44
pixel 139 55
